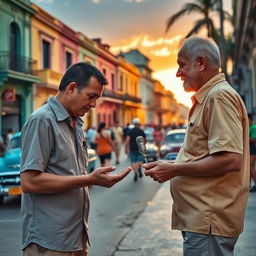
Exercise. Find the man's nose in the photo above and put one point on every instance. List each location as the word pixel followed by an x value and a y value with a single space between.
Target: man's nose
pixel 93 103
pixel 178 73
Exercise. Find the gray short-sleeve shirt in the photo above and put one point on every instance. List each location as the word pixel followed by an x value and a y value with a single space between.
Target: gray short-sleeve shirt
pixel 49 144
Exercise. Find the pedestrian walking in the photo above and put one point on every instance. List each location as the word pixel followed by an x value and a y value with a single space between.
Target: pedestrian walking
pixel 158 136
pixel 105 145
pixel 132 149
pixel 252 135
pixel 55 202
pixel 118 140
pixel 210 176
pixel 91 134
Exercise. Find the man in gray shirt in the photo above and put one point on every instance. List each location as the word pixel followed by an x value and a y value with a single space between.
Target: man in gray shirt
pixel 55 202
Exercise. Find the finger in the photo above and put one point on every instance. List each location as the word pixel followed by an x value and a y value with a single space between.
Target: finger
pixel 125 172
pixel 107 169
pixel 149 165
pixel 116 178
pixel 151 171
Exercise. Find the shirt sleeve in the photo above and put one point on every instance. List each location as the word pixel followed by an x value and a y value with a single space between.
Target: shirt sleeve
pixel 36 144
pixel 224 122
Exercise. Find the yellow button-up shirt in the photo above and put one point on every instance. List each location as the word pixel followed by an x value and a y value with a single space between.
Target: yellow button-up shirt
pixel 217 122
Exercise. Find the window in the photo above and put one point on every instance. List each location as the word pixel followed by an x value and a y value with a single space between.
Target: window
pixel 120 87
pixel 14 38
pixel 68 59
pixel 15 61
pixel 109 120
pixel 46 54
pixel 98 118
pixel 113 81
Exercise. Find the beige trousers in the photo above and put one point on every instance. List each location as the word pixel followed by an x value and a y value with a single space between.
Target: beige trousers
pixel 37 250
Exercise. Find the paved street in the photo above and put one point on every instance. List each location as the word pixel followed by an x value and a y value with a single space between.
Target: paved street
pixel 120 225
pixel 113 212
pixel 151 234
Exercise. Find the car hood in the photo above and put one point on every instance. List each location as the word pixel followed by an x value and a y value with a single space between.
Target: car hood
pixel 11 160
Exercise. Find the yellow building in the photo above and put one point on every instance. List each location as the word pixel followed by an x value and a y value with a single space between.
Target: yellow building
pixel 55 47
pixel 128 81
pixel 45 52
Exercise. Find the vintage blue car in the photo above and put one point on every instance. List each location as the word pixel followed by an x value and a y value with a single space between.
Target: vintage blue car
pixel 10 168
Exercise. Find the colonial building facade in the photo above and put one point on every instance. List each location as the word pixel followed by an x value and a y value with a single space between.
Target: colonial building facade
pixel 36 49
pixel 244 73
pixel 16 76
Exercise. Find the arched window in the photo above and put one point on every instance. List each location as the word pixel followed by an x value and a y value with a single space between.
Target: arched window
pixel 14 38
pixel 14 47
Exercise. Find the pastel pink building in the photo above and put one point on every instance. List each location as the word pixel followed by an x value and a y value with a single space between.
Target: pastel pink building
pixel 110 104
pixel 69 47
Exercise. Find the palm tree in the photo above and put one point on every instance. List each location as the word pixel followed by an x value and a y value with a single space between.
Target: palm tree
pixel 205 8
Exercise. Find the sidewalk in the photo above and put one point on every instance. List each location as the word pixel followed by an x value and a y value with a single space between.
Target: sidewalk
pixel 151 234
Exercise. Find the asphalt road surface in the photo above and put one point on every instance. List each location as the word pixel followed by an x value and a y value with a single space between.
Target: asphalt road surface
pixel 113 212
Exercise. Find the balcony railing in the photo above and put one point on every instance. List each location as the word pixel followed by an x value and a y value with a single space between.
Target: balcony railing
pixel 132 98
pixel 14 62
pixel 112 94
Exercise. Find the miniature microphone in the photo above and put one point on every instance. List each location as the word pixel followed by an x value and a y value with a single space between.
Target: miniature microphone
pixel 142 148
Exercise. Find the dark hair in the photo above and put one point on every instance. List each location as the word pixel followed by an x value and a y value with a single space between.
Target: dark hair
pixel 80 73
pixel 101 127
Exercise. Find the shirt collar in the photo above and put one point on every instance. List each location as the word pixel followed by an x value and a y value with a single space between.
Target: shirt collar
pixel 200 95
pixel 60 112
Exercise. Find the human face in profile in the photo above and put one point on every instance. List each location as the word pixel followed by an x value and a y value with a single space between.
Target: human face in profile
pixel 81 101
pixel 187 71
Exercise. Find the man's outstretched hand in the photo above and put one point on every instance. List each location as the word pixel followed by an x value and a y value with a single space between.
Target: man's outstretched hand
pixel 103 178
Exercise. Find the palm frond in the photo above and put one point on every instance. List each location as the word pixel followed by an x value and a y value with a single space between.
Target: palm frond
pixel 213 32
pixel 198 25
pixel 187 9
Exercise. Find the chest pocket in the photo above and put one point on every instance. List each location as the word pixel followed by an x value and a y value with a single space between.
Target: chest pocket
pixel 191 140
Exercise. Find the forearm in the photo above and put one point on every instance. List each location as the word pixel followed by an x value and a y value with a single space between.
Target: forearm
pixel 216 164
pixel 46 183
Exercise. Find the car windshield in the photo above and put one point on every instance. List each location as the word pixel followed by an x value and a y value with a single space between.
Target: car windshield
pixel 175 138
pixel 14 143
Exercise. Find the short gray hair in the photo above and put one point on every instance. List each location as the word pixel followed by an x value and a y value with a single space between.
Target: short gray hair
pixel 194 47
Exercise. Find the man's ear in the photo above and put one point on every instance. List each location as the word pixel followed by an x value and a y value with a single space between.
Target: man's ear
pixel 71 88
pixel 201 61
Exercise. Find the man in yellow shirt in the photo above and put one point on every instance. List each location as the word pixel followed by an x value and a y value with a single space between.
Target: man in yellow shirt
pixel 210 176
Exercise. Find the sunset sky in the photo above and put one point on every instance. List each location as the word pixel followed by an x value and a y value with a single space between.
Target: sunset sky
pixel 128 24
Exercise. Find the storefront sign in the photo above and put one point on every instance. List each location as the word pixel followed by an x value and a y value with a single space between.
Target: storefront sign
pixel 9 95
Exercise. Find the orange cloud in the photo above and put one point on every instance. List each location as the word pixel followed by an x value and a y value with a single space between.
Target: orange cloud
pixel 163 55
pixel 145 41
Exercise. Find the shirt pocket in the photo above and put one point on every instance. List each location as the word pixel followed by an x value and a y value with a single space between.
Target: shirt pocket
pixel 191 140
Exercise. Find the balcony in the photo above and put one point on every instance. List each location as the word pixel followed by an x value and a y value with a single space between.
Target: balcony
pixel 14 62
pixel 131 98
pixel 13 66
pixel 49 78
pixel 112 94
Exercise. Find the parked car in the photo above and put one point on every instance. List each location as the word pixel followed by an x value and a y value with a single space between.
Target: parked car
pixel 152 150
pixel 10 168
pixel 172 144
